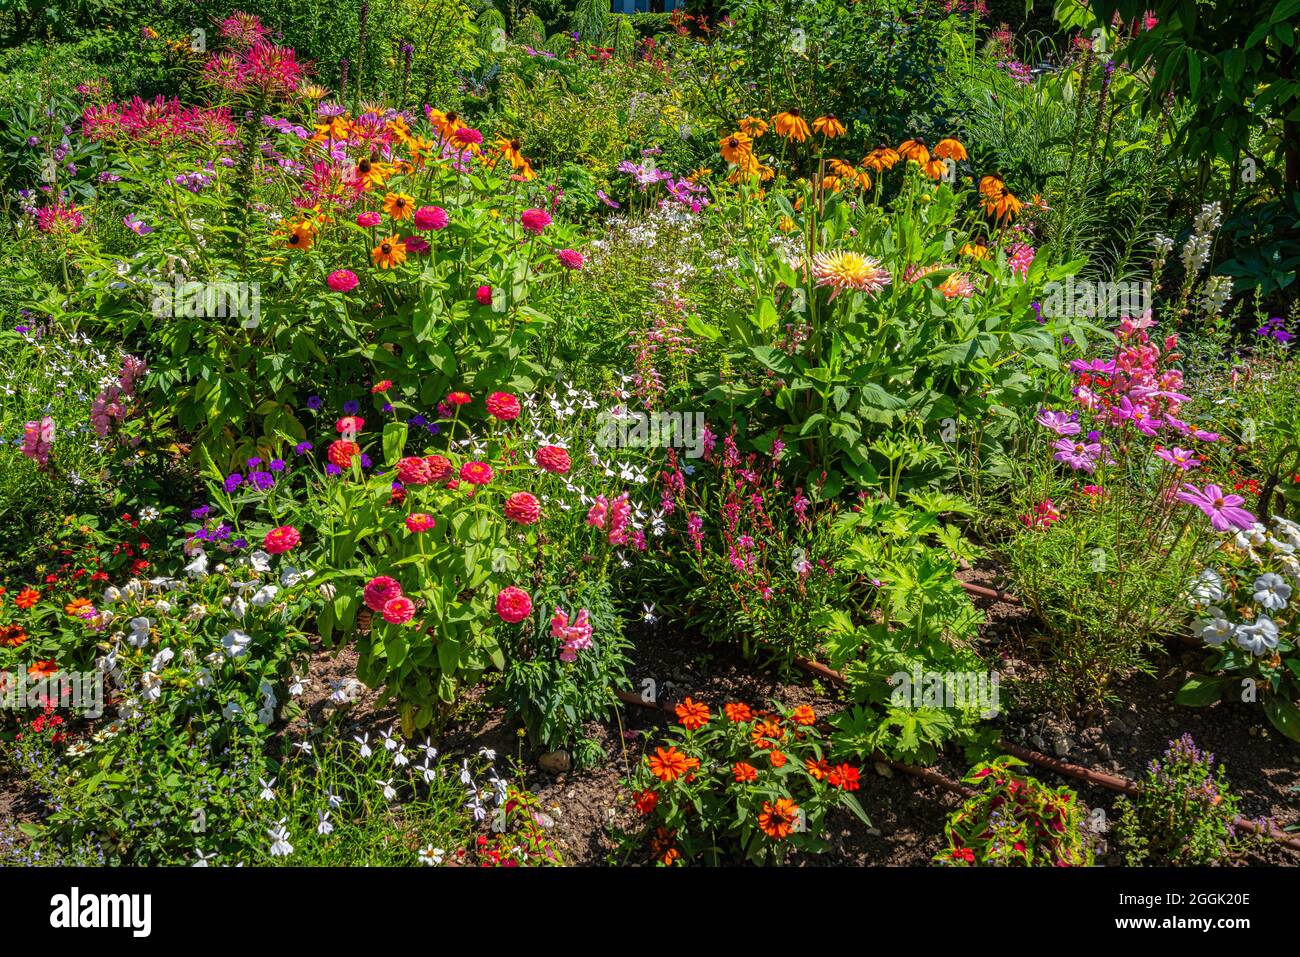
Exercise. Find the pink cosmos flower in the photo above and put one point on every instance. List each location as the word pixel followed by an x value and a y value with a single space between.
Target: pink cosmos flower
pixel 1043 516
pixel 1180 457
pixel 1062 423
pixel 1078 455
pixel 379 591
pixel 431 217
pixel 1223 509
pixel 342 280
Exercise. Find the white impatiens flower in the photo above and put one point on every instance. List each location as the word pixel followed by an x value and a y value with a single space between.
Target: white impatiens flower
pixel 1206 589
pixel 1253 537
pixel 1259 637
pixel 1214 628
pixel 1271 592
pixel 111 595
pixel 236 642
pixel 139 634
pixel 432 856
pixel 264 596
pixel 238 607
pixel 198 568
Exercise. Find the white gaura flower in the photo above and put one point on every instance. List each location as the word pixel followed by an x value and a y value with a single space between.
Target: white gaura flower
pixel 231 711
pixel 280 846
pixel 364 742
pixel 268 794
pixel 389 793
pixel 1206 589
pixel 432 856
pixel 138 637
pixel 202 859
pixel 400 759
pixel 198 568
pixel 429 771
pixel 161 659
pixel 1271 592
pixel 259 561
pixel 324 827
pixel 1214 628
pixel 236 643
pixel 264 596
pixel 1259 637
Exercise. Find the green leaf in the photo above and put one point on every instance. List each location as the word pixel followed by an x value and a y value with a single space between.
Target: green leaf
pixel 394 442
pixel 1199 692
pixel 1284 715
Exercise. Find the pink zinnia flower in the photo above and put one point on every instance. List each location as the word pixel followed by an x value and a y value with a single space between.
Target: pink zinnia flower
pixel 1223 509
pixel 414 470
pixel 369 219
pixel 349 424
pixel 570 259
pixel 535 220
pixel 399 610
pixel 503 406
pixel 416 245
pixel 476 473
pixel 553 459
pixel 281 539
pixel 379 591
pixel 523 507
pixel 419 522
pixel 513 605
pixel 467 136
pixel 342 280
pixel 431 217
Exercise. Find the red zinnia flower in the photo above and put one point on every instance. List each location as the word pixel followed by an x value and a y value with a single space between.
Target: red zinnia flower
pixel 844 777
pixel 693 715
pixel 476 473
pixel 553 459
pixel 281 539
pixel 342 452
pixel 523 507
pixel 513 605
pixel 503 406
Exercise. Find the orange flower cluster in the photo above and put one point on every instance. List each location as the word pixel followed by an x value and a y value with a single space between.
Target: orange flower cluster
pixel 669 764
pixel 999 203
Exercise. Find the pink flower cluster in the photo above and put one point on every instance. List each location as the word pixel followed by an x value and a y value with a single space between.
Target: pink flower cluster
pixel 611 516
pixel 156 121
pixel 263 67
pixel 108 408
pixel 384 595
pixel 38 437
pixel 575 635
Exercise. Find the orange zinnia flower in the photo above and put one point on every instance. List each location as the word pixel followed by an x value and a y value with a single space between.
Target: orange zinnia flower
pixel 778 820
pixel 11 636
pixel 844 777
pixel 43 669
pixel 399 206
pixel 669 764
pixel 76 605
pixel 778 758
pixel 27 598
pixel 804 714
pixel 819 769
pixel 792 126
pixel 693 715
pixel 744 772
pixel 737 712
pixel 389 253
pixel 645 801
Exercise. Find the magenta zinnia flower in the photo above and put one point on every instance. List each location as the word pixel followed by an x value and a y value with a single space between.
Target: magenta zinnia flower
pixel 431 217
pixel 535 220
pixel 342 280
pixel 1221 508
pixel 570 259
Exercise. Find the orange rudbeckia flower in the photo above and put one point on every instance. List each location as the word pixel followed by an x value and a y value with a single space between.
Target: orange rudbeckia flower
pixel 949 148
pixel 753 126
pixel 792 126
pixel 828 126
pixel 737 148
pixel 400 206
pixel 389 253
pixel 882 157
pixel 914 150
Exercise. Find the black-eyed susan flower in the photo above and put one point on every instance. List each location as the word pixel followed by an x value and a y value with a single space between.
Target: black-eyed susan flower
pixel 792 126
pixel 828 126
pixel 399 206
pixel 914 150
pixel 842 169
pixel 949 148
pixel 699 173
pixel 843 269
pixel 371 174
pixel 934 168
pixel 389 253
pixel 832 184
pixel 300 237
pixel 753 126
pixel 999 203
pixel 737 148
pixel 975 250
pixel 882 157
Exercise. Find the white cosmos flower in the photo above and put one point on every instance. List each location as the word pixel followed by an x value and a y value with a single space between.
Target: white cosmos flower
pixel 1271 592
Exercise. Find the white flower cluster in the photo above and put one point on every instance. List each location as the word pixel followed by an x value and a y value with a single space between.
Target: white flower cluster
pixel 1269 590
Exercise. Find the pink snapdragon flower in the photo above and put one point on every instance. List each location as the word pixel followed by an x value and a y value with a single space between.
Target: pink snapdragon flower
pixel 38 437
pixel 576 635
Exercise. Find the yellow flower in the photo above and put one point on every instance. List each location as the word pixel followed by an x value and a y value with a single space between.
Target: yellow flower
pixel 828 126
pixel 785 224
pixel 311 91
pixel 949 148
pixel 753 126
pixel 389 253
pixel 842 269
pixel 882 157
pixel 400 206
pixel 914 150
pixel 791 125
pixel 300 237
pixel 736 148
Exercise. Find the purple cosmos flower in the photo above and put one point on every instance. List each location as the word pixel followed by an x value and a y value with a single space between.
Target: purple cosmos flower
pixel 136 225
pixel 600 195
pixel 1078 455
pixel 1180 457
pixel 1103 366
pixel 1062 423
pixel 1223 509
